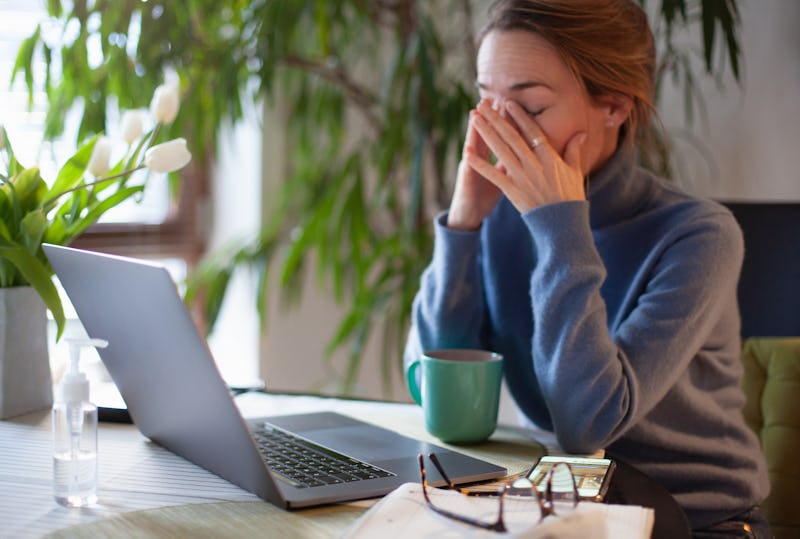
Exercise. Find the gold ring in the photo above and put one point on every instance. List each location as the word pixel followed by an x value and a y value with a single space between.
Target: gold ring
pixel 536 141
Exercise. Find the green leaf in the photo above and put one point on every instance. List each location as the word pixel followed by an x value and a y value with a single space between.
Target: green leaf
pixel 24 62
pixel 345 331
pixel 14 167
pixel 9 276
pixel 25 185
pixel 215 295
pixel 730 22
pixel 56 232
pixel 37 274
pixel 99 209
pixel 32 229
pixel 669 8
pixel 709 17
pixel 71 172
pixel 262 290
pixel 54 8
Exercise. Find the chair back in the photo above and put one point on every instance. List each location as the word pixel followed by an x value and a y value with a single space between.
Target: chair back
pixel 772 387
pixel 769 302
pixel 769 287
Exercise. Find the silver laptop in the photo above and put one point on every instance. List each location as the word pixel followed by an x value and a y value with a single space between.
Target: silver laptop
pixel 177 398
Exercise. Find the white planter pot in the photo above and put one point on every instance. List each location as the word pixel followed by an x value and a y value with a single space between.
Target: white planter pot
pixel 25 380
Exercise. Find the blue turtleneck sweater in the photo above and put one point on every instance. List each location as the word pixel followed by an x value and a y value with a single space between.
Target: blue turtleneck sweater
pixel 618 321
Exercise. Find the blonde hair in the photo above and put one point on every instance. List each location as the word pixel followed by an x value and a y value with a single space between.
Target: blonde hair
pixel 607 44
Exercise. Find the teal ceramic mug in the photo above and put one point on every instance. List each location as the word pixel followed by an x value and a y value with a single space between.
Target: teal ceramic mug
pixel 459 391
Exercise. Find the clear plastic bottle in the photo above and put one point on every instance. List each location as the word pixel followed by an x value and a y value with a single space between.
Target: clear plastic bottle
pixel 75 434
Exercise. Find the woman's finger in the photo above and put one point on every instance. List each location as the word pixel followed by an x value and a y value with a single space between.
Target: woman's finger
pixel 533 134
pixel 497 145
pixel 507 132
pixel 494 173
pixel 473 139
pixel 572 153
pixel 497 175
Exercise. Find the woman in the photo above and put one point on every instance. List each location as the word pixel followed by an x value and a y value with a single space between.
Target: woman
pixel 611 293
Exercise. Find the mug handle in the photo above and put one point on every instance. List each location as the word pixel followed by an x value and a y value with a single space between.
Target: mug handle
pixel 411 378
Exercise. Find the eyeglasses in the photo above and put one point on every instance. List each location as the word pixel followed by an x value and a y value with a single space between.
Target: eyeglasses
pixel 559 484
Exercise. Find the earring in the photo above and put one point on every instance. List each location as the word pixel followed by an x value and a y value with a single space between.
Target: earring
pixel 610 123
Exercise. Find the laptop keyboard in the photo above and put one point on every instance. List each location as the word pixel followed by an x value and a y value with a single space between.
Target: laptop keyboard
pixel 306 464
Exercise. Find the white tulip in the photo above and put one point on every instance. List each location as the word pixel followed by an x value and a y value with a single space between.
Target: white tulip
pixel 131 126
pixel 165 103
pixel 99 162
pixel 167 157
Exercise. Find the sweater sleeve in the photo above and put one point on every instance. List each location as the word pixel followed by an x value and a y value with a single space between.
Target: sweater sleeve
pixel 598 384
pixel 448 310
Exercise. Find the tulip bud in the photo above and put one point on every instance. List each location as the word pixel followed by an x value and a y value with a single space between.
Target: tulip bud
pixel 99 162
pixel 131 126
pixel 167 157
pixel 165 103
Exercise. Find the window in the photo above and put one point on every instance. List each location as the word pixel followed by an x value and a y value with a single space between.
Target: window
pixel 158 226
pixel 173 230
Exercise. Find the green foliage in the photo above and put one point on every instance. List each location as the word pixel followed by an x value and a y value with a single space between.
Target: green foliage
pixel 678 60
pixel 376 95
pixel 31 213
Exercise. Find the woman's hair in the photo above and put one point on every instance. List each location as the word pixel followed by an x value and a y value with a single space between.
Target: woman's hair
pixel 607 44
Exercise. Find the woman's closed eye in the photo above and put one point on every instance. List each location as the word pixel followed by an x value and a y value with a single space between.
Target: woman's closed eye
pixel 534 112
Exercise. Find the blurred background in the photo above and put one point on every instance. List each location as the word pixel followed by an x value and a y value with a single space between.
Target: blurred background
pixel 304 192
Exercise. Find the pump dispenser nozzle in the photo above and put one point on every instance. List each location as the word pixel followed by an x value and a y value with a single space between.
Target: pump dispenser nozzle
pixel 75 385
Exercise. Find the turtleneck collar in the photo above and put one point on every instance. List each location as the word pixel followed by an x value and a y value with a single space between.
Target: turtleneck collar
pixel 617 191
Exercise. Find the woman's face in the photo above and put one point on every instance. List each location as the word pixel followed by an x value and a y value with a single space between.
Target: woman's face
pixel 522 66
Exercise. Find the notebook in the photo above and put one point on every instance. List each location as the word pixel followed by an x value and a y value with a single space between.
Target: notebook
pixel 176 397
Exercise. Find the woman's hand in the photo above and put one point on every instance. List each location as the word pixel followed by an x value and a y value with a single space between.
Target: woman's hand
pixel 532 173
pixel 474 197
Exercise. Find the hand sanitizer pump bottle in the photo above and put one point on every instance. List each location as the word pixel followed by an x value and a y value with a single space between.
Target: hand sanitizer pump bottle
pixel 75 434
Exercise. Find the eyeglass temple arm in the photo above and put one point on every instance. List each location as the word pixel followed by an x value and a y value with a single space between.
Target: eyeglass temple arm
pixel 498 526
pixel 435 460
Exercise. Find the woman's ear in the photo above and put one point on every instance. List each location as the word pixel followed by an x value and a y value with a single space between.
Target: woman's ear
pixel 617 108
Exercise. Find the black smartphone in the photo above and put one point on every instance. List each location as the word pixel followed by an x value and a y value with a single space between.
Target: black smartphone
pixel 592 475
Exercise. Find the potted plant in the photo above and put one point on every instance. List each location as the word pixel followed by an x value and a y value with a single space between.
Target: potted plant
pixel 33 211
pixel 373 98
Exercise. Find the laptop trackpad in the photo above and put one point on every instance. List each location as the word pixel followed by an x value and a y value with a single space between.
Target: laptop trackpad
pixel 365 442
